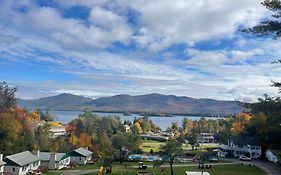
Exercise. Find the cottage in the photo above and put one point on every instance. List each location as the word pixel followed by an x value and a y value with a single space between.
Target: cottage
pixel 206 138
pixel 127 128
pixel 54 161
pixel 56 131
pixel 238 146
pixel 80 156
pixel 273 155
pixel 21 163
pixel 1 164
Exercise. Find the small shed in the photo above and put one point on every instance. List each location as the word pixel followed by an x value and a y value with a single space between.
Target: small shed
pixel 273 155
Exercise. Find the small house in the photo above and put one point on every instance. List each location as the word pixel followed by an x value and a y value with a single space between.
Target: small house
pixel 54 161
pixel 56 131
pixel 1 164
pixel 21 163
pixel 127 128
pixel 206 138
pixel 80 156
pixel 273 155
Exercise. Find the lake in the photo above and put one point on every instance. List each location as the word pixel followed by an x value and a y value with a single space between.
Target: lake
pixel 162 122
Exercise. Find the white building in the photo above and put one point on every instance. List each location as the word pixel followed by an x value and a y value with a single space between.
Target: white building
pixel 127 128
pixel 54 161
pixel 1 164
pixel 206 138
pixel 21 163
pixel 238 146
pixel 56 131
pixel 80 156
pixel 271 155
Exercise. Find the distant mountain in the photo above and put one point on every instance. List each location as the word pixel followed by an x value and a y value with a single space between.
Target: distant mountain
pixel 59 102
pixel 156 103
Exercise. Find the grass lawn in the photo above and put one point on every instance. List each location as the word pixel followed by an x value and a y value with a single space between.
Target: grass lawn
pixel 147 145
pixel 156 146
pixel 216 170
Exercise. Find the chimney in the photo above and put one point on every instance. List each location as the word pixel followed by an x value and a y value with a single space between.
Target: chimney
pixel 38 153
pixel 1 157
pixel 87 148
pixel 53 157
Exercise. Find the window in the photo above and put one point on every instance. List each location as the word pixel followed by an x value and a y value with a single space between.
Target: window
pixel 14 169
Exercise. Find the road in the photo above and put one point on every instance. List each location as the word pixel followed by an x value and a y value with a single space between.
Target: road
pixel 268 167
pixel 77 172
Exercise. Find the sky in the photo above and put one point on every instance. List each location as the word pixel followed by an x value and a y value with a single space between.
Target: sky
pixel 98 48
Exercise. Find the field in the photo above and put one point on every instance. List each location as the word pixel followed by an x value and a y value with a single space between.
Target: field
pixel 234 169
pixel 147 145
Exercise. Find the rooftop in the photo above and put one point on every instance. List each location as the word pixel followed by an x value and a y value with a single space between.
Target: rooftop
pixel 45 156
pixel 23 158
pixel 83 151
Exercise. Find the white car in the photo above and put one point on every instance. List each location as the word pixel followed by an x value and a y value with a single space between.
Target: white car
pixel 244 158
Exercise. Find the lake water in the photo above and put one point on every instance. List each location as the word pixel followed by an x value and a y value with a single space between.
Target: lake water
pixel 162 122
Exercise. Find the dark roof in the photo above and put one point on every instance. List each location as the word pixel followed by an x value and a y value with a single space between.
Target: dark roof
pixel 22 159
pixel 243 140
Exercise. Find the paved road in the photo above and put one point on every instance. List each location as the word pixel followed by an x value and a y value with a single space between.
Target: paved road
pixel 268 167
pixel 77 172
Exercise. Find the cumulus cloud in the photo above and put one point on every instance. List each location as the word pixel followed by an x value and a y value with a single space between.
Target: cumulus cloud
pixel 191 21
pixel 83 49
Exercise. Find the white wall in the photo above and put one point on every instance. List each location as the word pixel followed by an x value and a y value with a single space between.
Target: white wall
pixel 1 169
pixel 20 170
pixel 78 160
pixel 271 157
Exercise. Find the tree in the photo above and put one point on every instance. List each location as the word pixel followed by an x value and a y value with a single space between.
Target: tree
pixel 172 148
pixel 174 126
pixel 136 128
pixel 7 96
pixel 269 27
pixel 9 133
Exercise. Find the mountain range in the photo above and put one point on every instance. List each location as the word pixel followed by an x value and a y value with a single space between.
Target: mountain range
pixel 151 103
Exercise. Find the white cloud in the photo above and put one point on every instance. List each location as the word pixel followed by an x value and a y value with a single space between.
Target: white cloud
pixel 184 21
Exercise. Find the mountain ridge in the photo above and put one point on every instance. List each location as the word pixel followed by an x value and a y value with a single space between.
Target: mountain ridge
pixel 154 103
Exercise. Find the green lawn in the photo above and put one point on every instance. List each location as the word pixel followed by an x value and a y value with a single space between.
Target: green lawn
pixel 216 170
pixel 119 169
pixel 147 145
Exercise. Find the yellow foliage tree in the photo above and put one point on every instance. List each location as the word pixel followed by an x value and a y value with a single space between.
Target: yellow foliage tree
pixel 85 140
pixel 238 126
pixel 73 139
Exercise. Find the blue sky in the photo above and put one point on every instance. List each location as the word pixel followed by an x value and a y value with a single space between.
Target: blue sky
pixel 101 48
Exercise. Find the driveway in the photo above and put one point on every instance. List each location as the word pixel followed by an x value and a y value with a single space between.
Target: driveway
pixel 268 167
pixel 77 172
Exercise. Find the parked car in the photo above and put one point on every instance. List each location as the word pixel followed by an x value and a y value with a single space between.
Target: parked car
pixel 244 158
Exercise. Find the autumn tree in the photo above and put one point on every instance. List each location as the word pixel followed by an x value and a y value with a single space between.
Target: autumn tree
pixel 240 121
pixel 7 96
pixel 9 132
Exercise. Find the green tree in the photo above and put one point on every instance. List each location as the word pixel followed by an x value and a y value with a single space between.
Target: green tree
pixel 7 96
pixel 269 27
pixel 172 148
pixel 9 133
pixel 175 126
